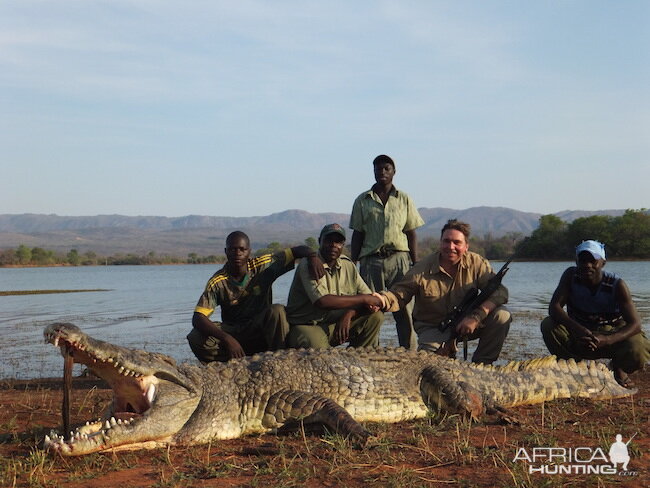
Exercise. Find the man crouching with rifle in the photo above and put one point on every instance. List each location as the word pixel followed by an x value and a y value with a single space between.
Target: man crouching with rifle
pixel 442 285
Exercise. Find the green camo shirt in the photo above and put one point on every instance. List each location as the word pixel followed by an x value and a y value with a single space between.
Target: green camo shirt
pixel 341 279
pixel 384 225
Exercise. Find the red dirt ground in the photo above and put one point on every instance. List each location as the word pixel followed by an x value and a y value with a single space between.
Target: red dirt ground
pixel 440 451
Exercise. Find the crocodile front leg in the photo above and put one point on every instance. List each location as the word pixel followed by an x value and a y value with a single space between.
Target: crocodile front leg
pixel 441 393
pixel 288 408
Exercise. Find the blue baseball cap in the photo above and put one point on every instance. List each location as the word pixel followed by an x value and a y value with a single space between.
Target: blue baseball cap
pixel 595 248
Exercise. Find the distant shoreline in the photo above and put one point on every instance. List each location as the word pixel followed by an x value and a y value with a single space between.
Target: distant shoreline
pixel 5 293
pixel 64 265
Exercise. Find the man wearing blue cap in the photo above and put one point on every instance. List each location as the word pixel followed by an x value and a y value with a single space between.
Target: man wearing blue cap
pixel 600 320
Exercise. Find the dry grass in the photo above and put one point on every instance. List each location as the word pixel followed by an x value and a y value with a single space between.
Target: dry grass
pixel 440 450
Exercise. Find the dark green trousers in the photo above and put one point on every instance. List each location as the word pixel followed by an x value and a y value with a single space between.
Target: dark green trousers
pixel 630 355
pixel 364 332
pixel 267 332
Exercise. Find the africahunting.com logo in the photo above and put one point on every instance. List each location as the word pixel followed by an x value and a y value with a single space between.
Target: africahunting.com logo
pixel 578 460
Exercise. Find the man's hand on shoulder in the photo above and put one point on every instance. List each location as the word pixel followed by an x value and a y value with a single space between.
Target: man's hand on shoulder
pixel 315 263
pixel 316 268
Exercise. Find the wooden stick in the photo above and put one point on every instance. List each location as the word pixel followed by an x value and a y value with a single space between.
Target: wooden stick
pixel 68 362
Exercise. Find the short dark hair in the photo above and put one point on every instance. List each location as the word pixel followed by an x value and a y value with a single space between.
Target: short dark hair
pixel 238 234
pixel 382 158
pixel 457 225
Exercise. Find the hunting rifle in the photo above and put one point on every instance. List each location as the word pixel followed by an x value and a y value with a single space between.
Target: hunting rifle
pixel 472 299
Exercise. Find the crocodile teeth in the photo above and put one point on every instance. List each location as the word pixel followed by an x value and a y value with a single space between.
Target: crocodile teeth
pixel 151 392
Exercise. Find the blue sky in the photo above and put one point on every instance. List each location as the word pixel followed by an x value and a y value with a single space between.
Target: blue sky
pixel 246 108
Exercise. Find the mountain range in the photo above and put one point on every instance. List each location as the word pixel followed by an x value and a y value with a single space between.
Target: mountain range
pixel 113 234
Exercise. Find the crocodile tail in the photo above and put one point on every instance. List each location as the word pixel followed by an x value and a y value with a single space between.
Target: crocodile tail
pixel 568 378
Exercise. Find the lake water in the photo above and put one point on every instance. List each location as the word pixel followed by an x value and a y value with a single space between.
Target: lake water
pixel 150 307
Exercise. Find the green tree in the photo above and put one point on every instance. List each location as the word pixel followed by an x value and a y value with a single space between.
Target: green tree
pixel 73 257
pixel 598 227
pixel 496 250
pixel 272 248
pixel 632 235
pixel 42 256
pixel 275 247
pixel 8 257
pixel 24 254
pixel 548 241
pixel 312 243
pixel 89 258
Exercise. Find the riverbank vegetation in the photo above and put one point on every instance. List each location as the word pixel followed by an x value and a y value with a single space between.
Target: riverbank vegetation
pixel 625 237
pixel 36 256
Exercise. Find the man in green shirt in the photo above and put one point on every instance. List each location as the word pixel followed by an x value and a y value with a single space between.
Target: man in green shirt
pixel 242 288
pixel 336 308
pixel 384 220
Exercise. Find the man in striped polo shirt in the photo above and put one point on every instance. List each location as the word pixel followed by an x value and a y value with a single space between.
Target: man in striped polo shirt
pixel 242 288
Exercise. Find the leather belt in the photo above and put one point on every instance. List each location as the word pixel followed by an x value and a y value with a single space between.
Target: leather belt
pixel 384 253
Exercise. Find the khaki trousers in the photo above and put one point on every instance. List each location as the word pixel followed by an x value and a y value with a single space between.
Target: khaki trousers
pixel 491 334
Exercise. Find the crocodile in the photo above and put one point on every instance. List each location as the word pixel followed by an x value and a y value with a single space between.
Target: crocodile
pixel 158 403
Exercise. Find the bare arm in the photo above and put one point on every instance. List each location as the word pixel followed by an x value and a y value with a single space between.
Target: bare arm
pixel 342 329
pixel 316 269
pixel 560 298
pixel 413 244
pixel 337 302
pixel 356 244
pixel 630 315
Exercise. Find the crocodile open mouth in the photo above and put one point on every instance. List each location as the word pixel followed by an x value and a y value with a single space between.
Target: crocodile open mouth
pixel 137 378
pixel 133 395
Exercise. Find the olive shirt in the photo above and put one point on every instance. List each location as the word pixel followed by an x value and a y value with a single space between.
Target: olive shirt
pixel 384 225
pixel 436 293
pixel 242 302
pixel 342 279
